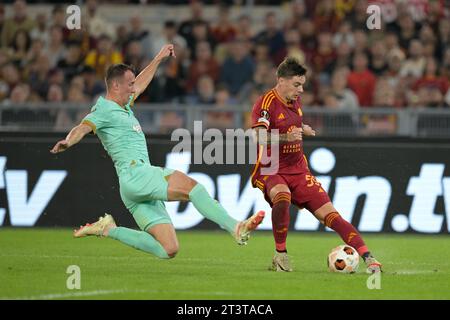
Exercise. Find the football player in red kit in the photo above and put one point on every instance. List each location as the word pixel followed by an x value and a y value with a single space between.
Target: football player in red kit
pixel 277 115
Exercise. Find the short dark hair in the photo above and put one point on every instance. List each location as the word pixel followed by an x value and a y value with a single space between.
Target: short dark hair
pixel 116 71
pixel 290 67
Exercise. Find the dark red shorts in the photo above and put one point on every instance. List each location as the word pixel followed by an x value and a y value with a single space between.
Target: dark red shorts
pixel 306 191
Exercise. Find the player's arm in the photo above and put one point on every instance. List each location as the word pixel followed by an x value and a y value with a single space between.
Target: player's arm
pixel 308 131
pixel 262 136
pixel 145 76
pixel 74 136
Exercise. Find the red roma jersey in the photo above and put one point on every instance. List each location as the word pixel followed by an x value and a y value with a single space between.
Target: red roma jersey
pixel 272 112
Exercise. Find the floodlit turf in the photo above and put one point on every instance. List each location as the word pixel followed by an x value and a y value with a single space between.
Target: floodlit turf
pixel 33 264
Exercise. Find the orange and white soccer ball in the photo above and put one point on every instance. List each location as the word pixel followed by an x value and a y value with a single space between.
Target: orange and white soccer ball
pixel 343 259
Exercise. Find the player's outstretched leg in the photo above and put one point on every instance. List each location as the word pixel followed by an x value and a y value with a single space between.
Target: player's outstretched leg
pixel 244 228
pixel 99 228
pixel 183 188
pixel 106 227
pixel 353 238
pixel 213 210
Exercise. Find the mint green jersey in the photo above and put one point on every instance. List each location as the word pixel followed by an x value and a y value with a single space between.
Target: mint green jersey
pixel 119 131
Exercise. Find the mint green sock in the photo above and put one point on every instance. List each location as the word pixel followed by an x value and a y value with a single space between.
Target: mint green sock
pixel 138 240
pixel 210 208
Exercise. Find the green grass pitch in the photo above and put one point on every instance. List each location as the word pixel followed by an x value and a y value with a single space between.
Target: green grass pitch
pixel 33 265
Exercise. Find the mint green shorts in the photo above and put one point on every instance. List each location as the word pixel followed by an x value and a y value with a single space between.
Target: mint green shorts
pixel 143 189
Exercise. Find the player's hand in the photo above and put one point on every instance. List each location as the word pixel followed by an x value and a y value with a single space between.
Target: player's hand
pixel 166 51
pixel 295 134
pixel 308 131
pixel 60 146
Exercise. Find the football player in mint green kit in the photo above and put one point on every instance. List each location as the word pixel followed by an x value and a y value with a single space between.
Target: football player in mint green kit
pixel 143 187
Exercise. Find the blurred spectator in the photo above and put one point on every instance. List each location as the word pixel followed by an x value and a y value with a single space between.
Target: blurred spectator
pixel 343 57
pixel 186 27
pixel 56 76
pixel 297 12
pixel 138 33
pixel 55 93
pixel 408 30
pixel 75 93
pixel 2 21
pixel 431 80
pixel 121 37
pixel 20 94
pixel 59 19
pixel 20 45
pixel 325 53
pixel 384 95
pixel 104 56
pixel 325 17
pixel 361 80
pixel 169 35
pixel 395 58
pixel 445 67
pixel 415 64
pixel 244 29
pixel 72 63
pixel 134 55
pixel 271 34
pixel 204 64
pixel 82 35
pixel 19 20
pixel 378 63
pixel 35 51
pixel 93 87
pixel 96 24
pixel 434 12
pixel 344 34
pixel 391 41
pixel 360 41
pixel 10 74
pixel 38 77
pixel 224 30
pixel 443 36
pixel 40 30
pixel 174 76
pixel 237 70
pixel 261 53
pixel 55 49
pixel 292 48
pixel 200 33
pixel 264 77
pixel 358 16
pixel 220 118
pixel 204 92
pixel 308 37
pixel 345 98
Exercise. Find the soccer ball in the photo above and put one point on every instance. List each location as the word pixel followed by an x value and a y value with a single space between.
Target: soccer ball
pixel 344 259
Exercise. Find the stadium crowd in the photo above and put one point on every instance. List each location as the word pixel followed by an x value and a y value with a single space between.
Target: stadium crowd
pixel 223 60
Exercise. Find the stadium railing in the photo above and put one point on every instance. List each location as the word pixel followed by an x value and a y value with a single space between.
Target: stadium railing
pixel 164 118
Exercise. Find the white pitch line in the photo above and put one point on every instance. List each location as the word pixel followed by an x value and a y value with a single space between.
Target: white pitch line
pixel 65 295
pixel 104 292
pixel 412 272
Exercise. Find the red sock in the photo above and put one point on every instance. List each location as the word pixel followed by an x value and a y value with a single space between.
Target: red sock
pixel 280 219
pixel 347 232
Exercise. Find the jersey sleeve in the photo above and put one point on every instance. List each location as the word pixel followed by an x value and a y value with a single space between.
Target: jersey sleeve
pixel 96 120
pixel 261 112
